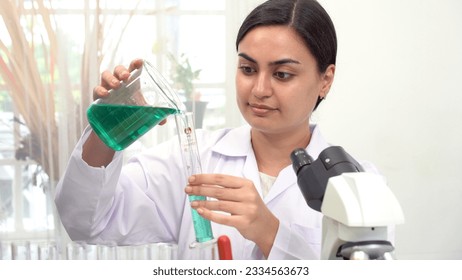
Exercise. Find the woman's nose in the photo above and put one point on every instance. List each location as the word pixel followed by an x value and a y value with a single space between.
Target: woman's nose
pixel 262 87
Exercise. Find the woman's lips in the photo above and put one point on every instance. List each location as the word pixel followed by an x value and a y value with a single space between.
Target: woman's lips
pixel 261 109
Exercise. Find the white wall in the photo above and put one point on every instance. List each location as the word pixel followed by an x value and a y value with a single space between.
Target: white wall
pixel 397 101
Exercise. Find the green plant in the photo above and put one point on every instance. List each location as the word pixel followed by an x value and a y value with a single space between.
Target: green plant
pixel 183 75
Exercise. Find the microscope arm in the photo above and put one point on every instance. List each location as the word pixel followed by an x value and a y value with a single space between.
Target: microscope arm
pixel 358 209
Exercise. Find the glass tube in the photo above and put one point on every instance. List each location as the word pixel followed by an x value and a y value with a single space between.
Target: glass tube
pixel 21 250
pixel 207 250
pixel 191 160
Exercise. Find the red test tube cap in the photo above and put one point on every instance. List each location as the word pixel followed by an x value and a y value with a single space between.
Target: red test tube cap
pixel 224 248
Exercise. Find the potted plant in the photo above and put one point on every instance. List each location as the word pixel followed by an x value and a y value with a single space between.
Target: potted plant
pixel 183 77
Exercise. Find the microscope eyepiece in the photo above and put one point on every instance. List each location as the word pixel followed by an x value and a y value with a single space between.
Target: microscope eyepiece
pixel 299 159
pixel 312 175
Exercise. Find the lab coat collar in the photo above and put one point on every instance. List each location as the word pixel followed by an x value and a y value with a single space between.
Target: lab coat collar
pixel 317 142
pixel 227 145
pixel 286 178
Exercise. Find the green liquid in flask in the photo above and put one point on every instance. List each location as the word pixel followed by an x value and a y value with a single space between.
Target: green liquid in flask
pixel 118 126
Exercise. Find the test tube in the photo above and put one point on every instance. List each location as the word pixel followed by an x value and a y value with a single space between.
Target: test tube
pixel 191 160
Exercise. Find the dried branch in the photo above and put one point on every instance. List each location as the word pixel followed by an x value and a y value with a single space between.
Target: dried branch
pixel 32 95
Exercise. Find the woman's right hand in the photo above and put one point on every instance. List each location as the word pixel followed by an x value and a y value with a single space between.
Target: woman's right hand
pixel 112 80
pixel 95 153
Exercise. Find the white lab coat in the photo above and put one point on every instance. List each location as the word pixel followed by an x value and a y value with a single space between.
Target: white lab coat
pixel 144 201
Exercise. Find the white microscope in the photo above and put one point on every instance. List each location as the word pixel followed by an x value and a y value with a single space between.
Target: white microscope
pixel 358 207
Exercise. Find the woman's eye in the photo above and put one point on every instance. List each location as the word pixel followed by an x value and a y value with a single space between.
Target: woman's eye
pixel 282 75
pixel 247 69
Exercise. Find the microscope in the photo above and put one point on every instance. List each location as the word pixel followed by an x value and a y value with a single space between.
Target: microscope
pixel 358 207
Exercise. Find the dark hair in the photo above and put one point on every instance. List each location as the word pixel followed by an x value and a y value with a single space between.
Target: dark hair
pixel 309 20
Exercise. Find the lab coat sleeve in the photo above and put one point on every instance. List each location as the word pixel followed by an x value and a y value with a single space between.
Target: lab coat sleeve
pixel 83 190
pixel 294 242
pixel 115 204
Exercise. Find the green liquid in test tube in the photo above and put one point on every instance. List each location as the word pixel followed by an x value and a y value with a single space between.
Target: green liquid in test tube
pixel 190 153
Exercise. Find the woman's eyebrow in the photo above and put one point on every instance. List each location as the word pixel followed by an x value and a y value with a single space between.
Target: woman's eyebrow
pixel 284 61
pixel 277 62
pixel 247 57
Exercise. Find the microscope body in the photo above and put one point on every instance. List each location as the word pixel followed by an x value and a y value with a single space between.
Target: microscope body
pixel 358 207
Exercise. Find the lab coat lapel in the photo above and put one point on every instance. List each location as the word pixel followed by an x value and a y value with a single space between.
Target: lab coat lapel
pixel 227 146
pixel 251 170
pixel 285 180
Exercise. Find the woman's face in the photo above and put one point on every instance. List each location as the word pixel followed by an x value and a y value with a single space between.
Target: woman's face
pixel 277 81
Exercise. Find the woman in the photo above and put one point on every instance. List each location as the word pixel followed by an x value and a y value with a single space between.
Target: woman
pixel 286 63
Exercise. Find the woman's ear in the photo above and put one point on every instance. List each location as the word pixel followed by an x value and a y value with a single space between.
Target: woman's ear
pixel 327 80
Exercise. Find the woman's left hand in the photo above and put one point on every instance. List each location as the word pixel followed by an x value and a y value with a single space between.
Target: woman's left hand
pixel 242 206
